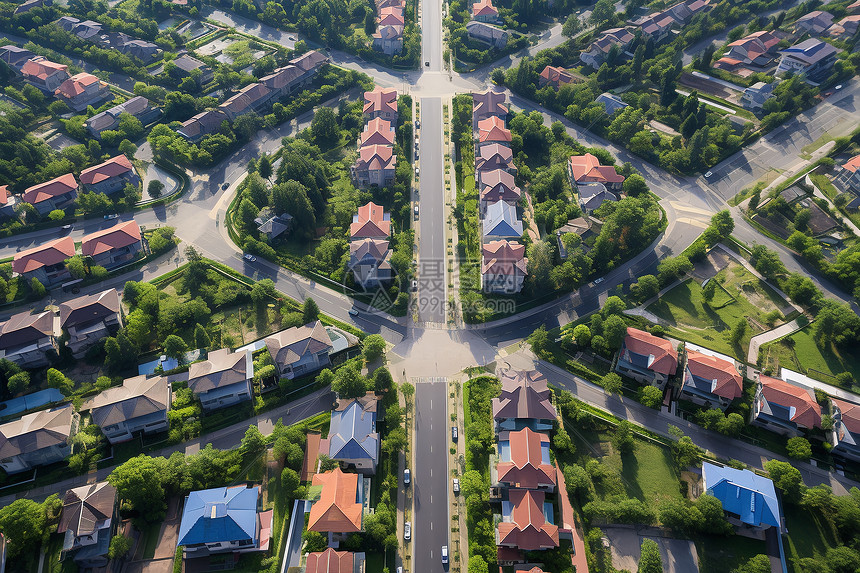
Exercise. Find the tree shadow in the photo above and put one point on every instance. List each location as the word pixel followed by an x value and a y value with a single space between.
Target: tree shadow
pixel 630 475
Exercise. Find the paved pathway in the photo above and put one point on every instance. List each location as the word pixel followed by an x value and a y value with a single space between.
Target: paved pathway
pixel 770 336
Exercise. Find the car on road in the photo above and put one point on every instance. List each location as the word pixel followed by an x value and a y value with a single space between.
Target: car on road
pixel 67 227
pixel 416 172
pixel 225 186
pixel 598 280
pixel 407 530
pixel 427 64
pixel 414 286
pixel 454 433
pixel 250 258
pixel 839 87
pixel 708 174
pixel 111 217
pixel 445 554
pixel 415 210
pixel 353 312
pixel 407 476
pixel 417 124
pixel 456 485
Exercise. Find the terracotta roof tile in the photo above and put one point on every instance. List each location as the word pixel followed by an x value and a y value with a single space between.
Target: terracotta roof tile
pixel 53 188
pixel 527 469
pixel 807 412
pixel 729 383
pixel 524 395
pixel 587 169
pixel 50 253
pixel 115 237
pixel 380 99
pixel 337 509
pixel 492 129
pixel 330 561
pixel 504 258
pixel 663 358
pixel 528 529
pixel 113 167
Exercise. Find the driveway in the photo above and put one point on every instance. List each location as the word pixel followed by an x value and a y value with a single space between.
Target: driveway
pixel 679 555
pixel 162 561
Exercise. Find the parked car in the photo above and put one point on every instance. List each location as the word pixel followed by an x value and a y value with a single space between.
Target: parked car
pixel 225 186
pixel 415 210
pixel 407 530
pixel 111 216
pixel 445 554
pixel 454 433
pixel 456 485
pixel 417 124
pixel 250 258
pixel 353 312
pixel 414 286
pixel 407 476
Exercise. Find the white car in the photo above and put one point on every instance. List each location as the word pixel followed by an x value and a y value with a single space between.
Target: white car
pixel 407 476
pixel 416 206
pixel 708 174
pixel 407 530
pixel 111 216
pixel 456 484
pixel 250 258
pixel 445 554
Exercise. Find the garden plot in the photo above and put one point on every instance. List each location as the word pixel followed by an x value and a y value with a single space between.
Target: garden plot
pixel 216 46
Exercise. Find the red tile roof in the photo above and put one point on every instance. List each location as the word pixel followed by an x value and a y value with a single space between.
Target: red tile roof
pixel 380 99
pixel 53 188
pixel 377 132
pixel 113 167
pixel 850 415
pixel 587 169
pixel 528 529
pixel 729 381
pixel 493 129
pixel 556 75
pixel 484 8
pixel 47 254
pixel 526 468
pixel 807 412
pixel 330 561
pixel 337 509
pixel 665 358
pixel 852 164
pixel 524 395
pixel 371 222
pixel 504 258
pixel 76 85
pixel 115 237
pixel 41 68
pixel 377 156
pixel 4 194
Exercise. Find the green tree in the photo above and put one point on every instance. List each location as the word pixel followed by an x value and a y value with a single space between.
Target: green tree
pixel 324 126
pixel 757 564
pixel 119 546
pixel 539 339
pixel 310 311
pixel 614 331
pixel 263 291
pixel 253 443
pixel 37 288
pixel 127 148
pixel 649 557
pixel 201 337
pixel 622 438
pixel 175 347
pixel 155 188
pixel 56 215
pixel 646 287
pixel 787 478
pixel 650 396
pixel 669 269
pixel 139 483
pixel 25 526
pixel 723 223
pixel 382 380
pixel 289 480
pixel 372 347
pixel 18 382
pixel 611 383
pixel 58 380
pixel 799 448
pixel 478 565
pixel 348 381
pixel 582 335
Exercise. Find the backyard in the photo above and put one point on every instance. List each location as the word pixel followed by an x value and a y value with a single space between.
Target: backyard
pixel 823 364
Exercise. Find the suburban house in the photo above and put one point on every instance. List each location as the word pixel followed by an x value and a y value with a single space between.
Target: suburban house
pixel 300 350
pixel 54 194
pixel 656 27
pixel 488 104
pixel 185 66
pixel 495 156
pixel 7 203
pixel 611 102
pixel 388 39
pixel 30 4
pixel 273 226
pixel 484 11
pixel 137 106
pixel 598 50
pixel 88 319
pixel 352 437
pixel 493 130
pixel 812 58
pixel 497 185
pixel 331 561
pixel 111 176
pixel 224 520
pixel 593 195
pixel 555 77
pixel 201 125
pixel 503 267
pixel 710 381
pixel 223 379
pixel 749 500
pixel 309 63
pixel 375 166
pixel 114 246
pixel 501 222
pixel 813 23
pixel 47 262
pixel 848 177
pixel 849 25
pixel 82 90
pixel 587 169
pixel 282 80
pixel 15 57
pixel 526 521
pixel 370 262
pixel 29 340
pixel 845 435
pixel 524 461
pixel 377 132
pixel 524 402
pixel 250 98
pixel 391 16
pixel 340 506
pixel 784 408
pixel 44 74
pixel 139 405
pixel 140 49
pixel 382 103
pixel 757 49
pixel 754 96
pixel 37 439
pixel 493 35
pixel 87 523
pixel 646 358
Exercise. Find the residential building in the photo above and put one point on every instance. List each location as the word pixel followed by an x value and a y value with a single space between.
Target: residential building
pixel 813 23
pixel 381 103
pixel 309 63
pixel 757 49
pixel 710 381
pixel 853 8
pixel 749 500
pixel 527 521
pixel 87 524
pixel 492 130
pixel 37 439
pixel 7 203
pixel 845 434
pixel 370 262
pixel 142 50
pixel 388 39
pixel 375 166
pixel 611 102
pixel 755 95
pixel 812 58
pixel 300 350
pixel 494 156
pixel 187 66
pixel 587 169
pixel 202 124
pixel 82 90
pixel 784 408
pixel 646 358
pixel 848 177
pixel 484 11
pixel 524 461
pixel 273 226
pixel 223 379
pixel 497 185
pixel 224 520
pixel 494 36
pixel 555 77
pixel 88 319
pixel 137 106
pixel 15 57
pixel 140 405
pixel 57 193
pixel 29 340
pixel 489 104
pixel 340 506
pixel 250 98
pixel 525 402
pixel 657 27
pixel 371 222
pixel 391 16
pixel 850 25
pixel 503 267
pixel 30 4
pixel 352 437
pixel 599 49
pixel 282 81
pixel 593 195
pixel 44 74
pixel 87 30
pixel 111 176
pixel 331 561
pixel 47 262
pixel 501 222
pixel 377 132
pixel 113 246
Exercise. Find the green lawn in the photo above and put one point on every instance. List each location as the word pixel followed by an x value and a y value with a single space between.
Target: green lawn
pixel 808 534
pixel 800 352
pixel 648 473
pixel 722 554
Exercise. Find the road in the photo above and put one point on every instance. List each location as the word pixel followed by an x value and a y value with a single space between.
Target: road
pixel 431 236
pixel 431 524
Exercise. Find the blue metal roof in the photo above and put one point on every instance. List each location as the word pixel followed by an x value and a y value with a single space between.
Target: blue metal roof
pixel 743 493
pixel 218 515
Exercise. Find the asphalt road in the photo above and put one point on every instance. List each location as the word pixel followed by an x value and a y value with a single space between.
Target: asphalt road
pixel 431 35
pixel 431 524
pixel 431 214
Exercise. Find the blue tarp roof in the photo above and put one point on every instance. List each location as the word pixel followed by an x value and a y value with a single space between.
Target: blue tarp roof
pixel 743 493
pixel 219 514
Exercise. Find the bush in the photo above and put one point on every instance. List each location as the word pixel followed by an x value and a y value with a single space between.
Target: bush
pixel 119 546
pixel 799 448
pixel 650 396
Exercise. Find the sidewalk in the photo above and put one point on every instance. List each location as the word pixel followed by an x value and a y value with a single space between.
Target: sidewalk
pixel 770 336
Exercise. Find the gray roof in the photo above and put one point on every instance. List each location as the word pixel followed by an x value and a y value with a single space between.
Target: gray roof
pixel 138 396
pixel 89 308
pixel 611 103
pixel 290 345
pixel 24 328
pixel 85 507
pixel 592 195
pixel 109 118
pixel 352 434
pixel 810 51
pixel 188 64
pixel 222 368
pixel 36 431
